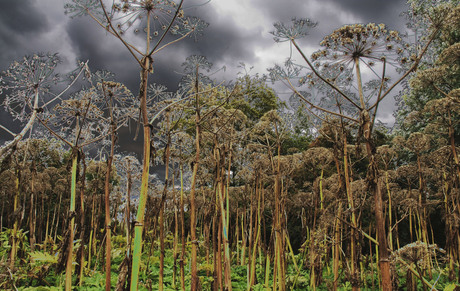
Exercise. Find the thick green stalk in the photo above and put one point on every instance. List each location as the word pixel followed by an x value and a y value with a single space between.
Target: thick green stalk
pixel 194 251
pixel 279 230
pixel 321 188
pixel 252 270
pixel 374 188
pixel 90 243
pixel 129 183
pixel 227 270
pixel 237 234
pixel 243 242
pixel 82 227
pixel 32 217
pixel 291 252
pixel 139 223
pixel 267 271
pixel 390 210
pixel 182 222
pixel 176 234
pixel 162 206
pixel 413 271
pixel 15 226
pixel 218 257
pixel 336 248
pixel 108 242
pixel 73 190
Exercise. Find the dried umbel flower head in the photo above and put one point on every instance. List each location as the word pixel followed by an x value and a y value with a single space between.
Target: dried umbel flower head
pixel 440 107
pixel 408 200
pixel 386 154
pixel 319 156
pixel 450 55
pixel 332 131
pixel 79 106
pixel 455 95
pixel 418 142
pixel 369 42
pixel 289 163
pixel 288 71
pixel 298 29
pixel 359 190
pixel 77 8
pixel 270 129
pixel 418 253
pixel 413 118
pixel 117 100
pixel 425 16
pixel 408 173
pixel 24 79
pixel 79 114
pixel 195 68
pixel 426 78
pixel 127 165
pixel 447 16
pixel 163 16
pixel 435 128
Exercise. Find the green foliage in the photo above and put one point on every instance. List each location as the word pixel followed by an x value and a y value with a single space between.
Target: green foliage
pixel 43 258
pixel 254 98
pixel 451 287
pixel 40 288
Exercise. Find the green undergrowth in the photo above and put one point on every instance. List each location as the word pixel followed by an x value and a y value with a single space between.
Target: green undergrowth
pixel 27 273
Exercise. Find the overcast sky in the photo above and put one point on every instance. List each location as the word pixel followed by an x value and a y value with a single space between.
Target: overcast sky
pixel 239 31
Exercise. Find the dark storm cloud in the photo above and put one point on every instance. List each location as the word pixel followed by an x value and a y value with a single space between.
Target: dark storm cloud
pixel 221 43
pixel 387 11
pixel 222 40
pixel 378 11
pixel 20 22
pixel 22 17
pixel 103 51
pixel 328 13
pixel 284 10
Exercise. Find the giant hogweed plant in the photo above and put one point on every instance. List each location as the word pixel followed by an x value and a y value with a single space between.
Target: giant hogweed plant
pixel 369 51
pixel 88 117
pixel 160 17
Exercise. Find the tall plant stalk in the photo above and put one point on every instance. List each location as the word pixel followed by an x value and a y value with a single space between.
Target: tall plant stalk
pixel 139 223
pixel 182 222
pixel 15 224
pixel 162 204
pixel 108 227
pixel 194 261
pixel 81 251
pixel 73 190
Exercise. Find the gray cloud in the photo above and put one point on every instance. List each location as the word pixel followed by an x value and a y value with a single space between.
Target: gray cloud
pixel 20 22
pixel 103 51
pixel 329 13
pixel 375 10
pixel 17 18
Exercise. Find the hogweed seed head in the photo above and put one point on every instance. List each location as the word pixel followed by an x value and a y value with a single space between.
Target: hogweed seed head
pixel 23 79
pixel 298 29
